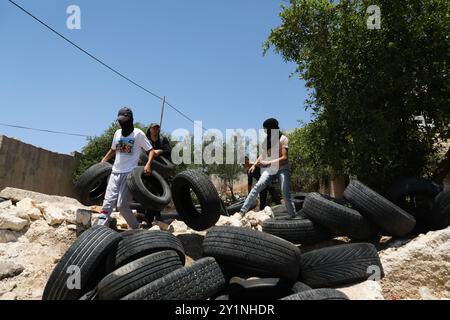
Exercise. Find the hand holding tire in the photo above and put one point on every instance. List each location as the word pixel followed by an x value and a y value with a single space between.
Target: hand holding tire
pixel 147 170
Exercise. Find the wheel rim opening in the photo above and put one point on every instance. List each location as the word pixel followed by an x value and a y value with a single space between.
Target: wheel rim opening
pixel 99 188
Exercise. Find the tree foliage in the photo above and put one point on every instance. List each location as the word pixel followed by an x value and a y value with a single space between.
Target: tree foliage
pixel 367 87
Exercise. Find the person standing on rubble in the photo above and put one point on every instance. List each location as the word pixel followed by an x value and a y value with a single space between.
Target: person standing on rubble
pixel 126 147
pixel 272 166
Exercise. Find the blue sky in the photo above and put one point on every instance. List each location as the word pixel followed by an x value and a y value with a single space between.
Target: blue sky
pixel 204 55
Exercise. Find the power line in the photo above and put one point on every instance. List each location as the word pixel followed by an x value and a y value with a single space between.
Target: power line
pixel 44 130
pixel 101 62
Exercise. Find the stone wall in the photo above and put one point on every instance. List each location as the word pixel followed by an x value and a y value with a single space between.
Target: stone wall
pixel 31 168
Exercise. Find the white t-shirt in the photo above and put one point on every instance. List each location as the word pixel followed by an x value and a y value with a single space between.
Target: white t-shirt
pixel 273 169
pixel 128 150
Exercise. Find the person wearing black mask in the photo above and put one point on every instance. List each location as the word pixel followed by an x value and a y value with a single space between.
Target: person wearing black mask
pixel 126 147
pixel 274 162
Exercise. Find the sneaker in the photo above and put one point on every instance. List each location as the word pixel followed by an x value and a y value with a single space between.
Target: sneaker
pixel 102 220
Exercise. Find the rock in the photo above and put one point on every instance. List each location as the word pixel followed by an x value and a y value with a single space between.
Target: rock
pixel 5 204
pixel 253 223
pixel 237 216
pixel 179 227
pixel 157 228
pixel 229 221
pixel 71 227
pixel 9 270
pixel 83 218
pixel 8 296
pixel 25 204
pixel 259 216
pixel 422 262
pixel 41 233
pixel 17 195
pixel 52 214
pixel 367 290
pixel 97 209
pixel 161 225
pixel 34 214
pixel 18 213
pixel 121 222
pixel 12 222
pixel 8 236
pixel 425 294
pixel 28 207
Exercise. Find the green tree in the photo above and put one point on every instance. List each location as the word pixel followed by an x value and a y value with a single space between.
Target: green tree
pixel 367 87
pixel 308 167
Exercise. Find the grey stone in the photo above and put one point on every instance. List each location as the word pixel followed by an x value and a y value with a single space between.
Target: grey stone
pixel 9 270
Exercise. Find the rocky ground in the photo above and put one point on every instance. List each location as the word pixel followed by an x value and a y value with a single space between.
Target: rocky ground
pixel 36 230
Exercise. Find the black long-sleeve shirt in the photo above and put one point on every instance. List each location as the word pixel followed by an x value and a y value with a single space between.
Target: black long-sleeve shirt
pixel 164 145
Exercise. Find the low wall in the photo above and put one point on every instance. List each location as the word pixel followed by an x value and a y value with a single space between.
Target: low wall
pixel 27 167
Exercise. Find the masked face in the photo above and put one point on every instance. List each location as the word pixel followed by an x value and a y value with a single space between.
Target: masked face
pixel 127 126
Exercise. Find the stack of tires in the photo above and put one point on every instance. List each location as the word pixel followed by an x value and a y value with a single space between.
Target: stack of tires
pixel 195 198
pixel 149 265
pixel 423 199
pixel 363 215
pixel 410 205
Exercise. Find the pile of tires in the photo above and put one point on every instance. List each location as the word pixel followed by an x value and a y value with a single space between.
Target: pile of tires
pixel 260 266
pixel 195 197
pixel 423 199
pixel 363 214
pixel 150 265
pixel 151 192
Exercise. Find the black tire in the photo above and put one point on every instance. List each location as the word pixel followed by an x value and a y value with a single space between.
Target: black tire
pixel 340 220
pixel 90 295
pixel 136 244
pixel 411 186
pixel 392 220
pixel 318 294
pixel 88 253
pixel 92 184
pixel 299 195
pixel 340 265
pixel 137 274
pixel 202 280
pixel 415 196
pixel 300 287
pixel 298 204
pixel 161 164
pixel 342 202
pixel 259 289
pixel 209 200
pixel 279 210
pixel 298 230
pixel 246 252
pixel 440 217
pixel 236 207
pixel 153 192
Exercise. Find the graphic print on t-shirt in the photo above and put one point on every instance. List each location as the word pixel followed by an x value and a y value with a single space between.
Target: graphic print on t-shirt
pixel 125 145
